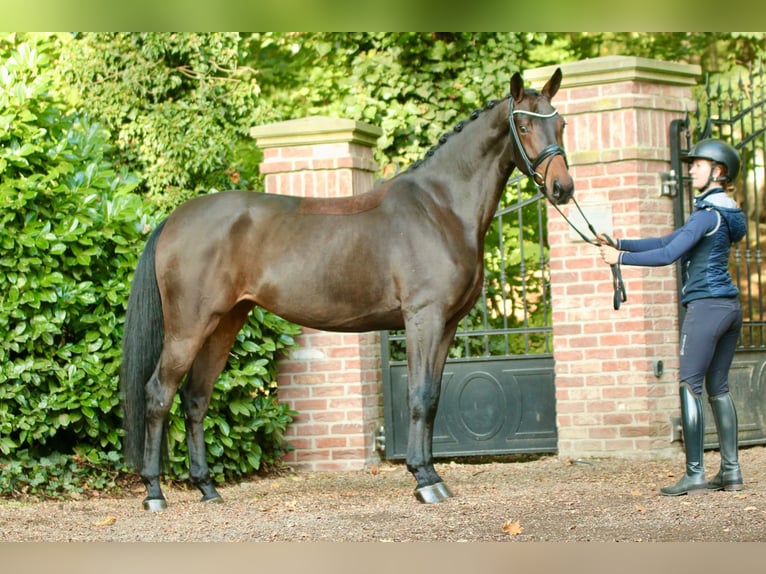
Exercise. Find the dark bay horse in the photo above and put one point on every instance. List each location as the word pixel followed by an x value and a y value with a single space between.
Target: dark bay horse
pixel 408 254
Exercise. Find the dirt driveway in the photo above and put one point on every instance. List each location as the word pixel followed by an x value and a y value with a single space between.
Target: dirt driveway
pixel 535 500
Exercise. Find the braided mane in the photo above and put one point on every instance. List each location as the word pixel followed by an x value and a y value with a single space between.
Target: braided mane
pixel 457 129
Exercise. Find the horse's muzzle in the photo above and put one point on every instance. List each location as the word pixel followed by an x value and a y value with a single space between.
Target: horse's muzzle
pixel 561 194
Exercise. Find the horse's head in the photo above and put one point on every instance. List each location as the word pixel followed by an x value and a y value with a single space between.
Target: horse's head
pixel 537 137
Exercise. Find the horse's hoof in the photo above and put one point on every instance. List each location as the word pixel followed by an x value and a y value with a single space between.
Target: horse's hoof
pixel 433 493
pixel 214 499
pixel 155 504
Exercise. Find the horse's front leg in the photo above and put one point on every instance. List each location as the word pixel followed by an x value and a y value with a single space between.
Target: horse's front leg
pixel 427 345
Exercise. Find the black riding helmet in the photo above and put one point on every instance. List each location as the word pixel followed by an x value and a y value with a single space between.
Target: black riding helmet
pixel 719 152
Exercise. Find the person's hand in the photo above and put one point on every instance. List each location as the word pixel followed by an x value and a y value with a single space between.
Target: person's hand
pixel 609 254
pixel 603 239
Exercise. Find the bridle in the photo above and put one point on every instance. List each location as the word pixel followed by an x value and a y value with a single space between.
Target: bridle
pixel 620 294
pixel 549 151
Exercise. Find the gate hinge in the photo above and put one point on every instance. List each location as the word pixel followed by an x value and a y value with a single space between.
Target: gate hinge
pixel 380 439
pixel 669 184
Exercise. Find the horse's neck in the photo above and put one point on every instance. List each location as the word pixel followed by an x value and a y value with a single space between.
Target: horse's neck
pixel 474 167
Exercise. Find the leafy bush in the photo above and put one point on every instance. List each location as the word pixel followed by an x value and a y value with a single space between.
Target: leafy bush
pixel 71 232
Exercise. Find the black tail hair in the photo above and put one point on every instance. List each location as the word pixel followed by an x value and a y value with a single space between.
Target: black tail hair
pixel 141 347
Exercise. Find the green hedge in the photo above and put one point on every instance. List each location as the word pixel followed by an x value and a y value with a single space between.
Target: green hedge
pixel 71 231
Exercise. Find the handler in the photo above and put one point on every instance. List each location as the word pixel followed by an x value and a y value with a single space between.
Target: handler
pixel 713 315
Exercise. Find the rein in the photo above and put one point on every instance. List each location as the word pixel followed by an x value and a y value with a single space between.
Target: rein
pixel 620 294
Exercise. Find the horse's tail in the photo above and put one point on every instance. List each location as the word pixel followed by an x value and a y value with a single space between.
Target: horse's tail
pixel 141 348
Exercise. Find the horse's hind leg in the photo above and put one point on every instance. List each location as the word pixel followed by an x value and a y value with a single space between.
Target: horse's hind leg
pixel 428 343
pixel 160 390
pixel 196 392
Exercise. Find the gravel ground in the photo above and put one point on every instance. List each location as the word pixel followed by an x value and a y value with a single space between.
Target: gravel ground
pixel 532 499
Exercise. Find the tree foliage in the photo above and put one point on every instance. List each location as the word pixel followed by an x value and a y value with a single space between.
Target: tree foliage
pixel 179 105
pixel 414 86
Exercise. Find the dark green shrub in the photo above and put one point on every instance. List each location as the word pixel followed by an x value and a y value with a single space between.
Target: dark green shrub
pixel 71 232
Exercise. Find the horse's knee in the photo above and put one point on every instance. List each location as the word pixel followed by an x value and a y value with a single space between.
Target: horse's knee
pixel 421 403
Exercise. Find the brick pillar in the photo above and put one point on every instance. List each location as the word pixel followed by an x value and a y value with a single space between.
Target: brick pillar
pixel 333 380
pixel 608 399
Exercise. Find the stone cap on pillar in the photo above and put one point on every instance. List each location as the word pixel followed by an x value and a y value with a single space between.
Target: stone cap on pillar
pixel 611 69
pixel 315 130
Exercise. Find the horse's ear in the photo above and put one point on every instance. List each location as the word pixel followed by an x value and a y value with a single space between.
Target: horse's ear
pixel 552 86
pixel 517 87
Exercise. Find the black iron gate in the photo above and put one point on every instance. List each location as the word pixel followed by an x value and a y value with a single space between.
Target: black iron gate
pixel 733 110
pixel 498 394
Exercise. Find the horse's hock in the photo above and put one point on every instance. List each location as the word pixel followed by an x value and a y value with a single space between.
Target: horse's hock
pixel 608 399
pixel 333 380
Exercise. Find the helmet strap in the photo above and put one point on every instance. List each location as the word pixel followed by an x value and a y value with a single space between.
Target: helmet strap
pixel 711 179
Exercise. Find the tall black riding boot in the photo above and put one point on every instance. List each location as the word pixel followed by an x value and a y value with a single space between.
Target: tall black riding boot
pixel 725 415
pixel 693 482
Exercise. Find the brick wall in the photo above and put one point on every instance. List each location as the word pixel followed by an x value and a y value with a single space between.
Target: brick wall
pixel 608 399
pixel 333 379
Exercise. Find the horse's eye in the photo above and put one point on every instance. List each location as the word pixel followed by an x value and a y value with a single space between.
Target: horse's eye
pixel 524 129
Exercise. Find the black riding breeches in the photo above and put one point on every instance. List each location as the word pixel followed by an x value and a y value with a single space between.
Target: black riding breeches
pixel 708 340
